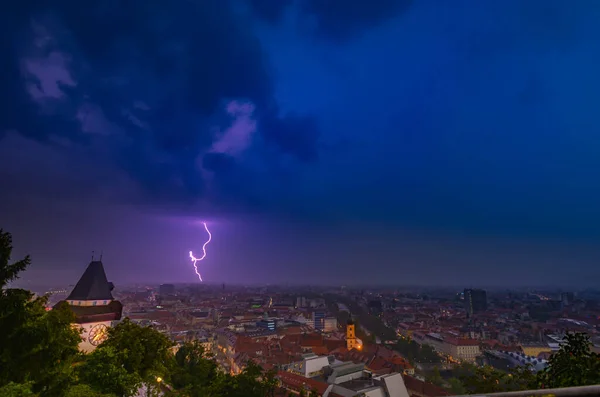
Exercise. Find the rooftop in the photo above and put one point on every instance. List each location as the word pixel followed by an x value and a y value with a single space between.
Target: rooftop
pixel 93 285
pixel 359 385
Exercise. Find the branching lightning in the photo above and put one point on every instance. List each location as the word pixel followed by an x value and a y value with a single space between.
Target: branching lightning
pixel 196 260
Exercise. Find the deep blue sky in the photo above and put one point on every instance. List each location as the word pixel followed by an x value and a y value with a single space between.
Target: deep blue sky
pixel 329 141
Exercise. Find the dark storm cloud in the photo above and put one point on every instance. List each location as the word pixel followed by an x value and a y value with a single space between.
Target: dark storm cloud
pixel 485 29
pixel 271 11
pixel 294 135
pixel 337 21
pixel 218 162
pixel 341 20
pixel 471 116
pixel 149 80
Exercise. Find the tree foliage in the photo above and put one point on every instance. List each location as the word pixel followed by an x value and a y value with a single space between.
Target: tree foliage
pixel 192 372
pixel 252 382
pixel 573 365
pixel 414 352
pixel 195 375
pixel 17 390
pixel 104 371
pixel 435 377
pixel 83 390
pixel 37 347
pixel 145 351
pixel 456 386
pixel 9 271
pixel 490 380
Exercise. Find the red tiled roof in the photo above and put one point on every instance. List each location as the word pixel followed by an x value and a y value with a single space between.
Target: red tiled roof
pixel 423 388
pixel 298 382
pixel 320 350
pixel 461 341
pixel 153 315
pixel 377 364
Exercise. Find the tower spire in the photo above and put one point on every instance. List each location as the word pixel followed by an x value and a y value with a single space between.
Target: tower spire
pixel 92 256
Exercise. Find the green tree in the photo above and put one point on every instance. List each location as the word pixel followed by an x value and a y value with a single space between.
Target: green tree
pixel 485 380
pixel 104 370
pixel 82 390
pixel 573 365
pixel 17 390
pixel 417 353
pixel 130 357
pixel 9 272
pixel 435 377
pixel 36 346
pixel 464 370
pixel 252 382
pixel 427 354
pixel 145 351
pixel 192 372
pixel 456 386
pixel 490 380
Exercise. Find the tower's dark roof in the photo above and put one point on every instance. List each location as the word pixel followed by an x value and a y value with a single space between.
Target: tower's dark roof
pixel 92 285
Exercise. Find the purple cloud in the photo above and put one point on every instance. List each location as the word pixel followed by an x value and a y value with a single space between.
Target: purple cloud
pixel 49 73
pixel 238 137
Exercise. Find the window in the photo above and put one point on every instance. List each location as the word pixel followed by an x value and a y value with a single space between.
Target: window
pixel 105 302
pixel 94 304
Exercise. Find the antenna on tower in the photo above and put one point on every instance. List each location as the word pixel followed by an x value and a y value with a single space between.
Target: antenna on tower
pixel 101 252
pixel 92 256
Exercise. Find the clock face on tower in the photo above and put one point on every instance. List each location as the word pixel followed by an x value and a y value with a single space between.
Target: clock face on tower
pixel 98 334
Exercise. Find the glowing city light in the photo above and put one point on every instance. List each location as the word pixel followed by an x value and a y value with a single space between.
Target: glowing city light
pixel 196 260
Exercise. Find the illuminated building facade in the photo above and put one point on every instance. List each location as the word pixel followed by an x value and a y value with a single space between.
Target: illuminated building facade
pixel 267 323
pixel 352 342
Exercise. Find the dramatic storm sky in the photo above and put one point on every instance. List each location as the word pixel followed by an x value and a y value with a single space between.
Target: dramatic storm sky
pixel 324 141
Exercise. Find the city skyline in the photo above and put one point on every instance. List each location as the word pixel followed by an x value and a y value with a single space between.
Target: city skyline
pixel 395 143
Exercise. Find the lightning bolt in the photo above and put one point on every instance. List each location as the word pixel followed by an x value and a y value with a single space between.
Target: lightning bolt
pixel 196 260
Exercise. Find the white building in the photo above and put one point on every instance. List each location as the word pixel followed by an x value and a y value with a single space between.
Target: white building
pixel 330 324
pixel 348 379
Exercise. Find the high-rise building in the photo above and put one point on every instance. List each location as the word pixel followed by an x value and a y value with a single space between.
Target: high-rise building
pixel 319 320
pixel 567 298
pixel 94 306
pixel 301 301
pixel 475 301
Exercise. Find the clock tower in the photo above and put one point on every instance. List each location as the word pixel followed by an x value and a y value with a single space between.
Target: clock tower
pixel 94 306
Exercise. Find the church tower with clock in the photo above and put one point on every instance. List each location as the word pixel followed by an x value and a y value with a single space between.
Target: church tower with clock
pixel 94 306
